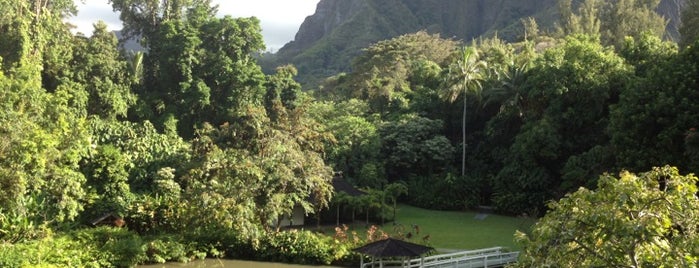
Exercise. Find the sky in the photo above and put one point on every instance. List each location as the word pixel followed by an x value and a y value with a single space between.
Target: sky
pixel 280 19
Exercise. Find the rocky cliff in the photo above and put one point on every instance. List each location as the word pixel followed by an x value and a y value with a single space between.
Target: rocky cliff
pixel 328 40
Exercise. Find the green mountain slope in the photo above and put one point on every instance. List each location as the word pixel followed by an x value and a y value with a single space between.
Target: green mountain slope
pixel 328 40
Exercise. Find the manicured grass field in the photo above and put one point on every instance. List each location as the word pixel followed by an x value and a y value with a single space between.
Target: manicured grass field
pixel 453 230
pixel 460 230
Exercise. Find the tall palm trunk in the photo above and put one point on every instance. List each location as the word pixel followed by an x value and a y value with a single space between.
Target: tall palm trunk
pixel 463 139
pixel 469 70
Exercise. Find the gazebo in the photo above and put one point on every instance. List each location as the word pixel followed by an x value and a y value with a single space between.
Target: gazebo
pixel 391 247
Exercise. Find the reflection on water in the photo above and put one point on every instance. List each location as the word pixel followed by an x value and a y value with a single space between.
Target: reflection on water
pixel 229 264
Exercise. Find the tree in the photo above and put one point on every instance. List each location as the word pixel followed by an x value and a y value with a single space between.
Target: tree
pixel 147 150
pixel 530 28
pixel 633 18
pixel 355 147
pixel 612 21
pixel 689 29
pixel 568 93
pixel 260 166
pixel 644 220
pixel 98 65
pixel 649 125
pixel 412 145
pixel 107 175
pixel 647 53
pixel 198 68
pixel 282 93
pixel 34 32
pixel 508 91
pixel 142 18
pixel 585 21
pixel 384 74
pixel 43 134
pixel 395 190
pixel 464 77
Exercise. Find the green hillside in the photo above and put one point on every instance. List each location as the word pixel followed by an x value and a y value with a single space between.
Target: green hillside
pixel 328 40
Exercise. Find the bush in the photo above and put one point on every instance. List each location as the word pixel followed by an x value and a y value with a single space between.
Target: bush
pixel 217 242
pixel 116 246
pixel 445 192
pixel 119 247
pixel 301 247
pixel 99 247
pixel 51 252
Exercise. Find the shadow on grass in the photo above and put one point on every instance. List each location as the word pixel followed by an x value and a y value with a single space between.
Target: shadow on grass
pixel 449 231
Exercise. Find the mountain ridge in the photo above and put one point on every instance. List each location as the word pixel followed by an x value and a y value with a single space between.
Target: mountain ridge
pixel 328 40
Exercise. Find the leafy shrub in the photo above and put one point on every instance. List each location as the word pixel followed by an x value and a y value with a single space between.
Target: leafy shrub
pixel 447 192
pixel 23 225
pixel 99 247
pixel 120 247
pixel 301 247
pixel 51 252
pixel 217 241
pixel 116 246
pixel 164 248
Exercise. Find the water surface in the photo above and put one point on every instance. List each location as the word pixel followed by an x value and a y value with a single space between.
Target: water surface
pixel 229 264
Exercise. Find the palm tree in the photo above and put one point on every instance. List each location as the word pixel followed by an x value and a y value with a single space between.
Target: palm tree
pixel 464 77
pixel 135 63
pixel 508 91
pixel 395 190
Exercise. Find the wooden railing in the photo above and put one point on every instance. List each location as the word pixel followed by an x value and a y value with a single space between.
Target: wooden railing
pixel 488 257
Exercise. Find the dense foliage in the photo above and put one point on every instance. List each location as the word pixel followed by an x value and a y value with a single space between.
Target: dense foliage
pixel 328 40
pixel 202 153
pixel 187 139
pixel 644 220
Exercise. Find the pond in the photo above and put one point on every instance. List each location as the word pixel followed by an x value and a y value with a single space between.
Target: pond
pixel 229 263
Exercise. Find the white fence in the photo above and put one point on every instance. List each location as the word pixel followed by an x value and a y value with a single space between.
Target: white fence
pixel 487 257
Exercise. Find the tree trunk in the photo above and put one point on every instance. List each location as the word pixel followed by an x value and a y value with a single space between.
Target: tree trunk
pixel 367 217
pixel 338 214
pixel 381 213
pixel 353 210
pixel 463 140
pixel 318 219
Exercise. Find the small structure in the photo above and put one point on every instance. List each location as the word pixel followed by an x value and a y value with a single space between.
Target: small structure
pixel 298 215
pixel 341 185
pixel 109 219
pixel 391 248
pixel 297 218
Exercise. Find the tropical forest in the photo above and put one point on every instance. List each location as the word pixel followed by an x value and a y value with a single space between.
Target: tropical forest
pixel 576 120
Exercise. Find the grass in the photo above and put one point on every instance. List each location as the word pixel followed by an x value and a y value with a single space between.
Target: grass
pixel 455 230
pixel 461 230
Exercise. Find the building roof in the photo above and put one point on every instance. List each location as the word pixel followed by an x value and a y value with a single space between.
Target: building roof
pixel 393 248
pixel 341 185
pixel 107 218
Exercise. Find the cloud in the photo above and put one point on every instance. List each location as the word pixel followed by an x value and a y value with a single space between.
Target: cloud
pixel 92 11
pixel 279 19
pixel 277 35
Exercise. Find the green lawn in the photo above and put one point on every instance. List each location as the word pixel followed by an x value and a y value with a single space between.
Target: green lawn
pixel 460 230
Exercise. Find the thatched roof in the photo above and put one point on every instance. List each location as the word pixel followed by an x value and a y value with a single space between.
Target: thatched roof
pixel 393 248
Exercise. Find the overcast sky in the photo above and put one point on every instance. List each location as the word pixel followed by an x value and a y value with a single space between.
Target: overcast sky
pixel 280 19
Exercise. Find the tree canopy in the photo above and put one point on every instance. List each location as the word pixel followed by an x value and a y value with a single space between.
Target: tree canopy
pixel 190 142
pixel 636 220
